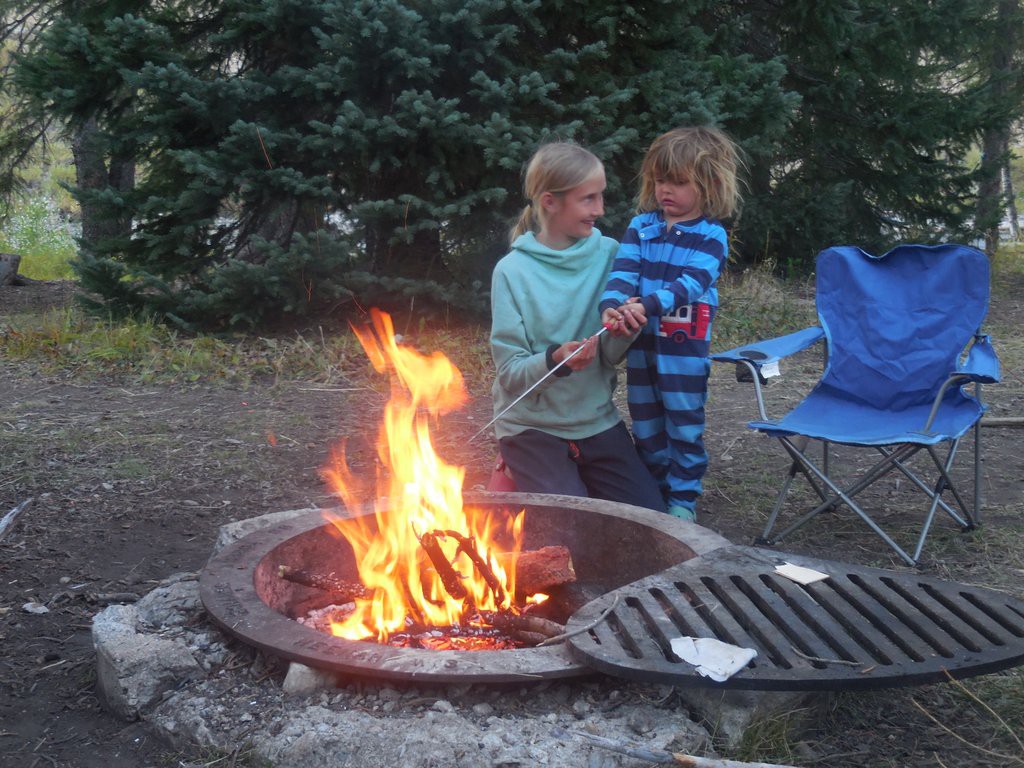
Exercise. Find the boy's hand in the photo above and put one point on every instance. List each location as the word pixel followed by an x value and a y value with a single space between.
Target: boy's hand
pixel 635 308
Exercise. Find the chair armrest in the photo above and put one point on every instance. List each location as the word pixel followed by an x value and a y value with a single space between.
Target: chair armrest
pixel 981 367
pixel 772 350
pixel 751 357
pixel 982 364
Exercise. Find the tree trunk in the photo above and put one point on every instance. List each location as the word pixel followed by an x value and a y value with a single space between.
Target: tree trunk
pixel 996 141
pixel 93 174
pixel 9 268
pixel 1011 201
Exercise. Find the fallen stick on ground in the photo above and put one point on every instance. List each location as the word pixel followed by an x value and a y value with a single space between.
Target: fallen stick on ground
pixel 9 518
pixel 1002 421
pixel 662 757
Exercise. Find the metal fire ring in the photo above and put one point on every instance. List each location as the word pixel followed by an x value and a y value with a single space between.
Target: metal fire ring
pixel 228 589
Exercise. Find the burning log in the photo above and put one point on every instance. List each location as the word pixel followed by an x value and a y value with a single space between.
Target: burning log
pixel 539 570
pixel 449 577
pixel 468 546
pixel 523 623
pixel 530 639
pixel 340 589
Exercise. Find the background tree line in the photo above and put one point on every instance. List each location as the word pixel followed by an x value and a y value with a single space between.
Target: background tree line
pixel 241 161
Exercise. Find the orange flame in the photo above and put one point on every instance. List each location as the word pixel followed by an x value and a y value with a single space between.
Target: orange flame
pixel 417 493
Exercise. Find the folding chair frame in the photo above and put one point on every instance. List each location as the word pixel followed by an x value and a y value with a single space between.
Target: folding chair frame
pixel 893 458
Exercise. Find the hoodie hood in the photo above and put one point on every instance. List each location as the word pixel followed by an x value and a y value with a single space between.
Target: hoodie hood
pixel 574 258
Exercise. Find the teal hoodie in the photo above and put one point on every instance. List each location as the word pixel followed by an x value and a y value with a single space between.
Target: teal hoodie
pixel 541 296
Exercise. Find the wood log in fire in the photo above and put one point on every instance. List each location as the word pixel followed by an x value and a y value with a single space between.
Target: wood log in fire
pixel 340 590
pixel 538 570
pixel 514 623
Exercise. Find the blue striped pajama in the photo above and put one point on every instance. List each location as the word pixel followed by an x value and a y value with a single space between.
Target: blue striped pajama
pixel 671 269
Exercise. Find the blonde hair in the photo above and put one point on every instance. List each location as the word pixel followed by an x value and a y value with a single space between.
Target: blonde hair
pixel 703 155
pixel 556 167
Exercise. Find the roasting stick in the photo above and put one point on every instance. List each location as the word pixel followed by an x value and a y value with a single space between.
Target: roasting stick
pixel 537 383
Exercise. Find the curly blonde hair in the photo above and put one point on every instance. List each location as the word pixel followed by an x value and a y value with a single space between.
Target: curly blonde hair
pixel 704 155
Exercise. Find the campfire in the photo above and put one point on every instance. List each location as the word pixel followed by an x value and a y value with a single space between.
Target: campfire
pixel 433 573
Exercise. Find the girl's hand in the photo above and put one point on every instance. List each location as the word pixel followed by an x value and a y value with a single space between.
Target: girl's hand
pixel 627 320
pixel 580 361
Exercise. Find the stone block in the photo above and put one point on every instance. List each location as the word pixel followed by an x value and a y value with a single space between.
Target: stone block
pixel 134 670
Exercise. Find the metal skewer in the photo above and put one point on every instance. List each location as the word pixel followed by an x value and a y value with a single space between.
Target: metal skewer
pixel 537 383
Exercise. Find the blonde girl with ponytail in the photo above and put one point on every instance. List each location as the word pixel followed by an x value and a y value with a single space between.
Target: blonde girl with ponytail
pixel 567 436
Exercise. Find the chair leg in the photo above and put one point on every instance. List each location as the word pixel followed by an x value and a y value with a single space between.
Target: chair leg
pixel 795 447
pixel 977 471
pixel 947 482
pixel 808 467
pixel 925 489
pixel 765 537
pixel 879 470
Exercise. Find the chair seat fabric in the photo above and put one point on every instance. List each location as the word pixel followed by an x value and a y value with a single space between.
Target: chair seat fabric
pixel 826 415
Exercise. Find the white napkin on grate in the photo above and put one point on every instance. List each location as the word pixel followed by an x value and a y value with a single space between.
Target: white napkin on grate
pixel 712 657
pixel 799 574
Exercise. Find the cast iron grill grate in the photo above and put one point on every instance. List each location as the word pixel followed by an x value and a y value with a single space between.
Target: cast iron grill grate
pixel 860 628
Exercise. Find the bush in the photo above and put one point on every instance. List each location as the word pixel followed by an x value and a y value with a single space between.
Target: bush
pixel 44 238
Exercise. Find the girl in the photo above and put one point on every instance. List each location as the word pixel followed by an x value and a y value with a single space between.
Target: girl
pixel 567 436
pixel 666 269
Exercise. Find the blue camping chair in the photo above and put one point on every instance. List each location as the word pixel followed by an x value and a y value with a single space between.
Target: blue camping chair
pixel 896 328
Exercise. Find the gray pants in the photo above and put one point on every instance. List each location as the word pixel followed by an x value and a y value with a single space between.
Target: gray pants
pixel 604 466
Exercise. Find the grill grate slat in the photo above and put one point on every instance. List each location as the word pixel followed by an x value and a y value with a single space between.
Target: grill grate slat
pixel 820 623
pixel 799 634
pixel 860 628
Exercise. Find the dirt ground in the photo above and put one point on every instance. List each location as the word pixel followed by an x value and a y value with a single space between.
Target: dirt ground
pixel 130 482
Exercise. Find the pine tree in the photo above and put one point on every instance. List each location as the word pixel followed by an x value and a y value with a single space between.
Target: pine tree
pixel 292 153
pixel 295 151
pixel 891 102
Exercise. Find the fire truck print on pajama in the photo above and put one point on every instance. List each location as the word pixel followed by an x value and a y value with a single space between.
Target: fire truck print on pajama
pixel 688 322
pixel 674 271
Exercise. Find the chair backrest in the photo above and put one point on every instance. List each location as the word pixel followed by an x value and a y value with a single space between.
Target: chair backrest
pixel 897 323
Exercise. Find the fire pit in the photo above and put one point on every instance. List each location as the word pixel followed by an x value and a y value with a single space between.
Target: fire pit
pixel 611 544
pixel 431 584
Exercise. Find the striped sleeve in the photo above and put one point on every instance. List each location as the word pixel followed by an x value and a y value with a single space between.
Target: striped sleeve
pixel 625 274
pixel 701 256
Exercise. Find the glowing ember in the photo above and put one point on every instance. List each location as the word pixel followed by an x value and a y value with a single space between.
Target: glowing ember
pixel 423 507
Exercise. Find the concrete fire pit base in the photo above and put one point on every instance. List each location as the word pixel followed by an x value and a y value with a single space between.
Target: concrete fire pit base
pixel 222 694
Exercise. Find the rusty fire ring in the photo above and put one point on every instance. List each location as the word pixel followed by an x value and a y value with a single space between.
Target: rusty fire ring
pixel 229 592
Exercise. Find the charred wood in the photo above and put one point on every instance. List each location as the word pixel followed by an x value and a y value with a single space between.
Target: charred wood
pixel 510 622
pixel 467 546
pixel 451 580
pixel 340 589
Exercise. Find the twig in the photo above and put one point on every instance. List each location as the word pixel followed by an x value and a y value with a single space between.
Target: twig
pixel 987 708
pixel 1008 759
pixel 562 638
pixel 107 598
pixel 8 519
pixel 662 757
pixel 820 660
